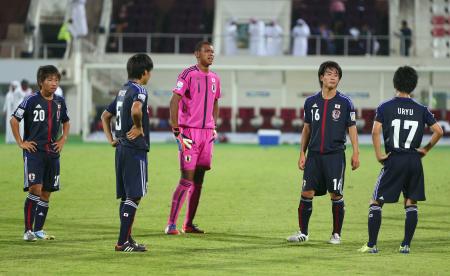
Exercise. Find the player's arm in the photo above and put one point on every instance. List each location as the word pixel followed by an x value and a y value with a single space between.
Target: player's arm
pixel 58 145
pixel 353 134
pixel 304 142
pixel 106 123
pixel 437 134
pixel 174 103
pixel 376 141
pixel 216 110
pixel 29 146
pixel 136 115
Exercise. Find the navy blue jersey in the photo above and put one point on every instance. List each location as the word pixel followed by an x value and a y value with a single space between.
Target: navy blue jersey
pixel 42 120
pixel 121 108
pixel 329 120
pixel 403 121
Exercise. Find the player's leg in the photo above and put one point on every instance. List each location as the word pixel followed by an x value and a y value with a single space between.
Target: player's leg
pixel 334 175
pixel 411 218
pixel 188 162
pixel 311 183
pixel 205 146
pixel 33 173
pixel 374 224
pixel 193 201
pixel 178 198
pixel 135 186
pixel 414 191
pixel 51 184
pixel 387 190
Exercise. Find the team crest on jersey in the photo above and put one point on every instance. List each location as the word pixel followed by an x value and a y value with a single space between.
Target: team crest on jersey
pixel 31 176
pixel 213 88
pixel 337 106
pixel 213 80
pixel 336 114
pixel 187 158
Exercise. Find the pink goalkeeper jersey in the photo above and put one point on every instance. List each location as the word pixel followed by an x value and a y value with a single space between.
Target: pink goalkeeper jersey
pixel 198 90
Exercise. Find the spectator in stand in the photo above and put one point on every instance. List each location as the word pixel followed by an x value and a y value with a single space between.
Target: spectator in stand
pixel 26 88
pixel 300 34
pixel 274 39
pixel 405 39
pixel 231 34
pixel 337 11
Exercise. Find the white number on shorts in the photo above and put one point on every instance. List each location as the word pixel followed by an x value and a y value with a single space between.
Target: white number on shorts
pixel 337 184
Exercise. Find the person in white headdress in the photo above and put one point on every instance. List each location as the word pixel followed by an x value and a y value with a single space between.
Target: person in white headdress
pixel 274 36
pixel 257 43
pixel 300 33
pixel 231 34
pixel 8 108
pixel 79 23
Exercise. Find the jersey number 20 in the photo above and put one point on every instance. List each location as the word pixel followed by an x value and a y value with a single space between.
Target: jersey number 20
pixel 411 125
pixel 39 115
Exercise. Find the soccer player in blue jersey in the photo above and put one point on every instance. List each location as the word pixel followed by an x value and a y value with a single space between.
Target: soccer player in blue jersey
pixel 43 114
pixel 132 144
pixel 402 121
pixel 329 114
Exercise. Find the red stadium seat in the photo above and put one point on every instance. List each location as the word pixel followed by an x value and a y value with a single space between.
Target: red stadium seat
pixel 438 32
pixel 267 114
pixel 437 114
pixel 368 115
pixel 438 20
pixel 245 114
pixel 225 116
pixel 288 115
pixel 163 114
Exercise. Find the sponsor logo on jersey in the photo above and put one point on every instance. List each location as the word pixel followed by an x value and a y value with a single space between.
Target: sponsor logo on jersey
pixel 179 85
pixel 213 80
pixel 125 215
pixel 31 176
pixel 353 116
pixel 336 114
pixel 38 106
pixel 315 105
pixel 337 106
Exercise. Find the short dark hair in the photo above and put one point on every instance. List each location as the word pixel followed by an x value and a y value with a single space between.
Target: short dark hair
pixel 137 64
pixel 405 79
pixel 200 44
pixel 329 65
pixel 46 71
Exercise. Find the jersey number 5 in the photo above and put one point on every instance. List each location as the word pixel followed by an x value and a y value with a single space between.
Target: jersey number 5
pixel 411 125
pixel 118 115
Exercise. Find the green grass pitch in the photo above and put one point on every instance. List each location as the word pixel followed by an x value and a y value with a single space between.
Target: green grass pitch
pixel 248 207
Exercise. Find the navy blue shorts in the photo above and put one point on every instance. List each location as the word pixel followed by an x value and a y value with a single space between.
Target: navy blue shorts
pixel 401 172
pixel 324 172
pixel 41 168
pixel 131 172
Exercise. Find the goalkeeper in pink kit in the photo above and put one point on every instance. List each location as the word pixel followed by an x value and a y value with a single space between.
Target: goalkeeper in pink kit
pixel 193 113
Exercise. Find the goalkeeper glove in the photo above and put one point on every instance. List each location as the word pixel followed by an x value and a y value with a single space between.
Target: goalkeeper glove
pixel 182 140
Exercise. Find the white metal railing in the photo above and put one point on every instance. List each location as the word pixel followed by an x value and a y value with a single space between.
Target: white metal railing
pixel 172 43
